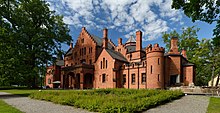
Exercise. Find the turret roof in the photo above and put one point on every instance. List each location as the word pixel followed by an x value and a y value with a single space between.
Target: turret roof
pixel 131 39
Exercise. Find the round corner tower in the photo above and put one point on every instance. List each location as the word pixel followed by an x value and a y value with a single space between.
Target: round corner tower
pixel 155 66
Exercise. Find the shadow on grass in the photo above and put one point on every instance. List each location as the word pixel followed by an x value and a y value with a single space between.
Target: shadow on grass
pixel 8 96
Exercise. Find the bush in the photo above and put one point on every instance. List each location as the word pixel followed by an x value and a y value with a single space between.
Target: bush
pixel 110 100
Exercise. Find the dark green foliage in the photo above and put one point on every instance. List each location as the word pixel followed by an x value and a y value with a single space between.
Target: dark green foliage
pixel 110 100
pixel 203 10
pixel 30 34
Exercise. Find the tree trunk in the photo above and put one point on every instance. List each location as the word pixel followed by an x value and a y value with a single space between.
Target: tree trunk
pixel 217 81
pixel 213 74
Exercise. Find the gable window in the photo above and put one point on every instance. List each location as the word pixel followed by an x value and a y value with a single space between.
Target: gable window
pixel 84 50
pixel 132 78
pixel 124 79
pixel 82 40
pixel 106 64
pixel 103 78
pixel 101 64
pixel 143 78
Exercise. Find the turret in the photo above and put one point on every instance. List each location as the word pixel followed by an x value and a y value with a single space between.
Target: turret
pixel 105 38
pixel 155 66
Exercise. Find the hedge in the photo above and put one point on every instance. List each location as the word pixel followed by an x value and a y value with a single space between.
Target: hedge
pixel 109 100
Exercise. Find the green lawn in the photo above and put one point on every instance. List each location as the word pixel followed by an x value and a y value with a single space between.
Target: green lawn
pixel 214 105
pixel 5 108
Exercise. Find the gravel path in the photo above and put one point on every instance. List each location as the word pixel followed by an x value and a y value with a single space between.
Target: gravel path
pixel 28 105
pixel 187 104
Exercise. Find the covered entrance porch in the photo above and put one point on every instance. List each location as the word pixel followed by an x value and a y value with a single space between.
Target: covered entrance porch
pixel 78 77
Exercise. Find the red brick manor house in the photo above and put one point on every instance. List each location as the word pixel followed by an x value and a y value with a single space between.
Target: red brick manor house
pixel 98 63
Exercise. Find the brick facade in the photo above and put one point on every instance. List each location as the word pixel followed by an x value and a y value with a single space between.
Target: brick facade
pixel 98 63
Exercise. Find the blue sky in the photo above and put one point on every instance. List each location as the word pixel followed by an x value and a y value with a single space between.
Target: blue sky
pixel 124 17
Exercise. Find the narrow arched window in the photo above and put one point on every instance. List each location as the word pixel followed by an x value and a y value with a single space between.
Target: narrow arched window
pixel 106 64
pixel 158 61
pixel 101 64
pixel 151 69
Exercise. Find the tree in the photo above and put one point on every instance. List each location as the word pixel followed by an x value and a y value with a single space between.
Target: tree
pixel 203 10
pixel 187 40
pixel 34 34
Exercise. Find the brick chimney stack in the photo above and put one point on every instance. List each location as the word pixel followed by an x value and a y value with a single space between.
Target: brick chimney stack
pixel 184 53
pixel 138 40
pixel 119 41
pixel 105 38
pixel 174 45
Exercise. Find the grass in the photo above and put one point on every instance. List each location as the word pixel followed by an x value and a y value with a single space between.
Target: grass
pixel 214 105
pixel 20 92
pixel 5 108
pixel 109 100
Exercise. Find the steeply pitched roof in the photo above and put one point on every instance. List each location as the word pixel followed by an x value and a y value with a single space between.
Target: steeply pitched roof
pixel 69 52
pixel 116 55
pixel 131 48
pixel 98 40
pixel 131 39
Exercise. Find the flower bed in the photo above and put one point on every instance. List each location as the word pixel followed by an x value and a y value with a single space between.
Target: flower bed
pixel 109 100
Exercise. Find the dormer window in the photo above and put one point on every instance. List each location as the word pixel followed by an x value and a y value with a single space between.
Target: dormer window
pixel 82 40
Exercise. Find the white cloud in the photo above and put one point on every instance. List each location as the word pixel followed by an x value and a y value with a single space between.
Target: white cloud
pixel 151 16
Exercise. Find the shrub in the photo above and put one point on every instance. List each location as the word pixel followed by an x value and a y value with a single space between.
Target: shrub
pixel 110 100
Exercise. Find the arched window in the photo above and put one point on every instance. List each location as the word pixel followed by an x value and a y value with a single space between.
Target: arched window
pixel 158 77
pixel 101 64
pixel 84 50
pixel 151 69
pixel 158 61
pixel 106 64
pixel 103 78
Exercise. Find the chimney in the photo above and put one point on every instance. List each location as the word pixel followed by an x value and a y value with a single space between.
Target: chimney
pixel 138 40
pixel 83 28
pixel 105 33
pixel 174 45
pixel 105 38
pixel 184 53
pixel 71 45
pixel 119 41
